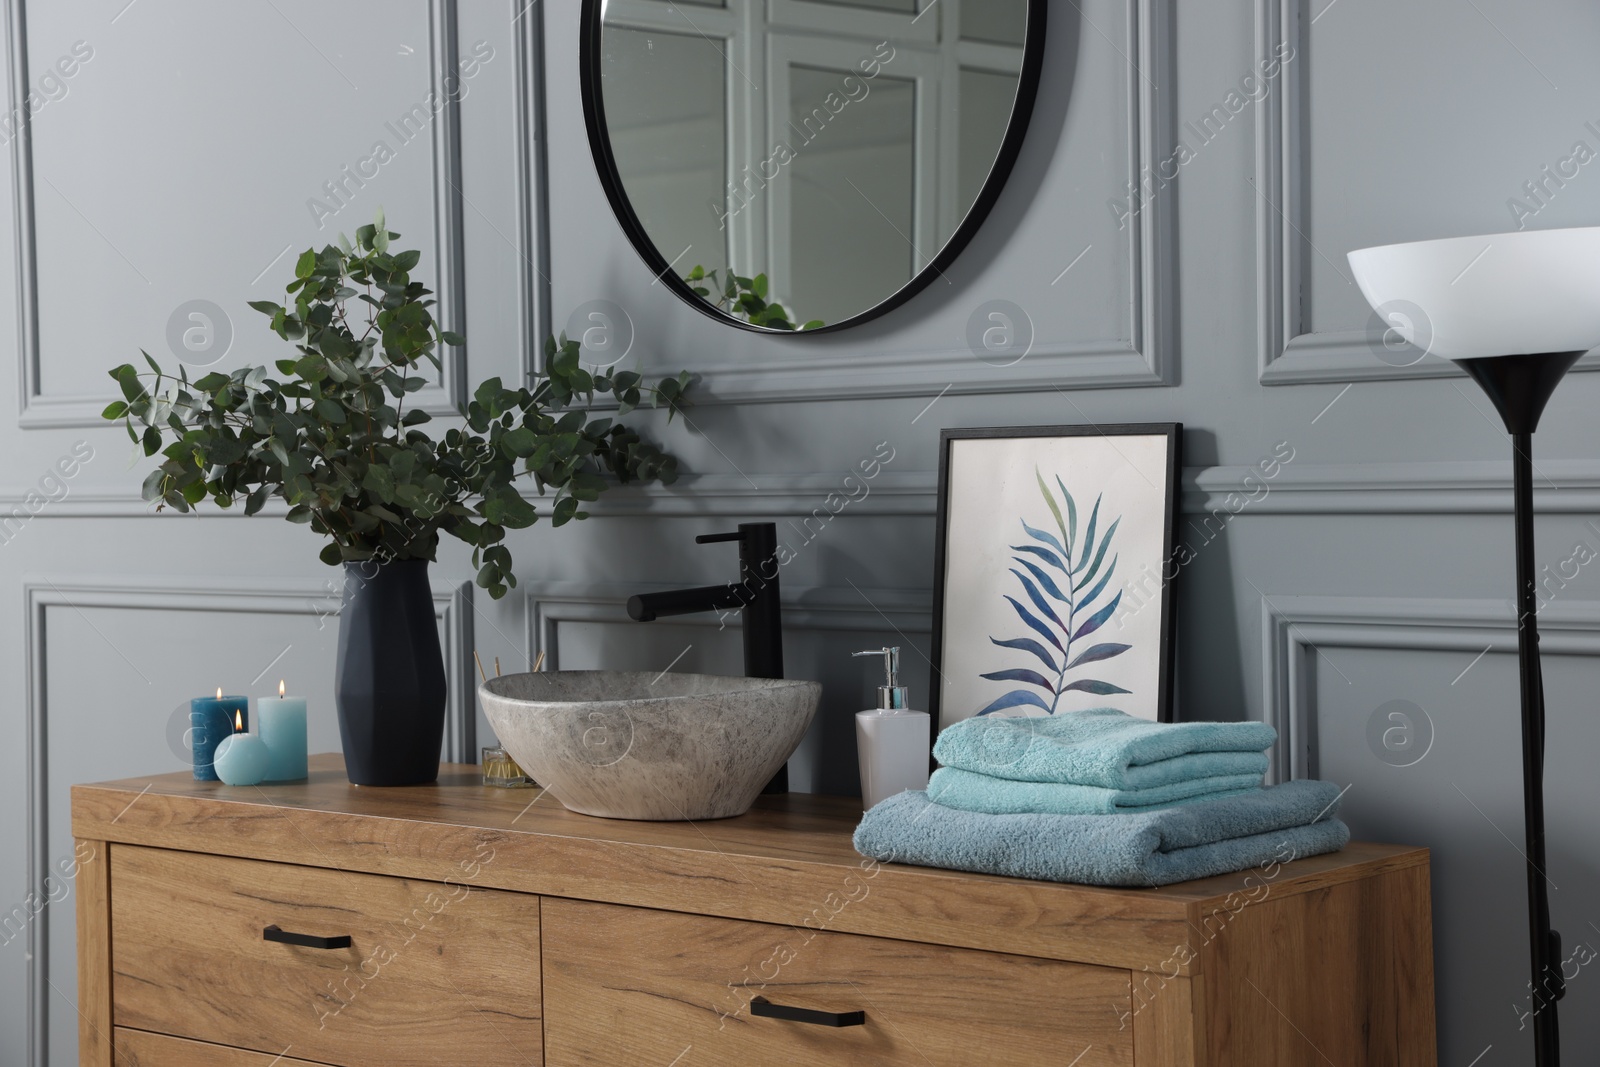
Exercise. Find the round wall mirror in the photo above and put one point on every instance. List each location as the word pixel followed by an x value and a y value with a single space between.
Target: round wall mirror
pixel 805 164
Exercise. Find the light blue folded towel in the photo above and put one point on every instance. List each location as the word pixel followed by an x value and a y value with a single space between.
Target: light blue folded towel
pixel 970 791
pixel 1276 824
pixel 1104 747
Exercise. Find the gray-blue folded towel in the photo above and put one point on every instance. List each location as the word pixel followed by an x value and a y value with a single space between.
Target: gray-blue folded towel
pixel 1275 824
pixel 1104 747
pixel 955 788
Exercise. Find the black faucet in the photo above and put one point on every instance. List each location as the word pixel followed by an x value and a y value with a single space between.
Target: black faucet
pixel 755 594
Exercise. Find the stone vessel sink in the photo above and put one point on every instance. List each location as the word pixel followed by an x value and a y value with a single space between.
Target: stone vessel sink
pixel 641 745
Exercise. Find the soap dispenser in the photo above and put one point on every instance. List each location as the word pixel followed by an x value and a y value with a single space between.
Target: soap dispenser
pixel 892 741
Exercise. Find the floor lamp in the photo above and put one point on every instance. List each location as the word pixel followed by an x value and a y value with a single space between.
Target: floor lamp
pixel 1515 311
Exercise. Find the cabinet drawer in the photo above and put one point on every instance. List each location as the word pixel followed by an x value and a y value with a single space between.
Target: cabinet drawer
pixel 433 973
pixel 135 1048
pixel 629 985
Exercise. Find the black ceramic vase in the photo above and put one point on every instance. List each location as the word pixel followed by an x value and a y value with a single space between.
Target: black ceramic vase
pixel 390 687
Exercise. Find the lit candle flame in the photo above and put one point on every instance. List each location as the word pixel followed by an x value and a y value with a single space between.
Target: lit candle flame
pixel 238 722
pixel 219 692
pixel 280 688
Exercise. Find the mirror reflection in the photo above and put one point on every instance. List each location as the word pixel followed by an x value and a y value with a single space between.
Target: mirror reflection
pixel 799 163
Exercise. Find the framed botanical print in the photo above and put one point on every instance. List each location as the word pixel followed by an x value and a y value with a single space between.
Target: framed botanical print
pixel 1054 561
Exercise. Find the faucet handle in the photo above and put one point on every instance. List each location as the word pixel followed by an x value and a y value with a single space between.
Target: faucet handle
pixel 711 539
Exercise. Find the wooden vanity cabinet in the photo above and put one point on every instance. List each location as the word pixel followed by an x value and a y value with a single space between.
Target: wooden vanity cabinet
pixel 320 923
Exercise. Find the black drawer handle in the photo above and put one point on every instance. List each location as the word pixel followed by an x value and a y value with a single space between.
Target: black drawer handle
pixel 284 937
pixel 766 1009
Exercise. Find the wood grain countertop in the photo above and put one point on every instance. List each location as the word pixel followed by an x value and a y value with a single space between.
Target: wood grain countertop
pixel 788 861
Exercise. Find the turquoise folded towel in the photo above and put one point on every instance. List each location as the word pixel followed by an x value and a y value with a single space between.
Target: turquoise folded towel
pixel 970 791
pixel 1104 747
pixel 1276 824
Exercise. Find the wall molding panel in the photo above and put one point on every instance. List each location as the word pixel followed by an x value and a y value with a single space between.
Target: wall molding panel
pixel 1294 627
pixel 532 184
pixel 449 248
pixel 452 606
pixel 1287 353
pixel 550 604
pixel 1147 357
pixel 41 410
pixel 1467 487
pixel 17 89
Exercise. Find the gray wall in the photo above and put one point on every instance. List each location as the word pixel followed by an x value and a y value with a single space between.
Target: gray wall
pixel 177 162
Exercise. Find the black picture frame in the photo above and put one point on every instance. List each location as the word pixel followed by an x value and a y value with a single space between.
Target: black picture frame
pixel 594 117
pixel 951 438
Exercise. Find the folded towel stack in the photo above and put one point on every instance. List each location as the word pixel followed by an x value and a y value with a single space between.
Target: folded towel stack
pixel 1102 798
pixel 1095 762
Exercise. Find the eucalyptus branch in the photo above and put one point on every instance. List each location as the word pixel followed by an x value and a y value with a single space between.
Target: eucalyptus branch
pixel 318 435
pixel 743 298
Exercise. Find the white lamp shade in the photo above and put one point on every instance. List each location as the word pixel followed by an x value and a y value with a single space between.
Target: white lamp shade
pixel 1496 295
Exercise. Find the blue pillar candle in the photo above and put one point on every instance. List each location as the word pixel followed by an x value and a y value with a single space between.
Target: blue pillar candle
pixel 241 759
pixel 211 719
pixel 283 729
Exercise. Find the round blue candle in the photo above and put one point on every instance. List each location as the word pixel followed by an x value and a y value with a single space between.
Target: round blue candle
pixel 241 759
pixel 283 729
pixel 211 719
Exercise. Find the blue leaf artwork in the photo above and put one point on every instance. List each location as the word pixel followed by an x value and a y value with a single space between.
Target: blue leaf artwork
pixel 1063 586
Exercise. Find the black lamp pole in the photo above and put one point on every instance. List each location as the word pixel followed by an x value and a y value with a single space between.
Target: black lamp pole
pixel 1520 386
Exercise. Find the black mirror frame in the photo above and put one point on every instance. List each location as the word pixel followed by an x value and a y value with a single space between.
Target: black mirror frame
pixel 594 116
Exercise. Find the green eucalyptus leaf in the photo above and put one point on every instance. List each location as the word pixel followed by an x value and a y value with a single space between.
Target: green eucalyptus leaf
pixel 312 368
pixel 132 389
pixel 325 425
pixel 380 482
pixel 257 499
pixel 225 451
pixel 521 441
